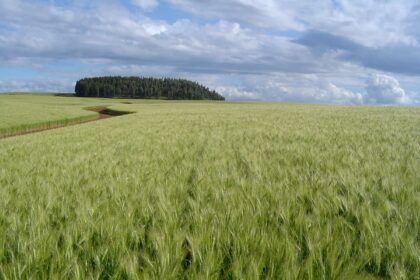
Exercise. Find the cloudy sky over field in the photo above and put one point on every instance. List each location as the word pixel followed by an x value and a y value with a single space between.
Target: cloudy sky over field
pixel 327 51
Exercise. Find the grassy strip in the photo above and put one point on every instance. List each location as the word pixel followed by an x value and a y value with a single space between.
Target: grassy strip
pixel 30 128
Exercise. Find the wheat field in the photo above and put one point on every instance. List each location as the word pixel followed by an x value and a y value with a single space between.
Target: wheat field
pixel 210 190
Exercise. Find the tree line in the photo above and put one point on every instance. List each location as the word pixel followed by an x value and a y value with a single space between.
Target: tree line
pixel 139 87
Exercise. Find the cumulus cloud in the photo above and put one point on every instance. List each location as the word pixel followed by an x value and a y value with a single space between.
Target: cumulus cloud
pixel 334 94
pixel 380 89
pixel 384 89
pixel 237 93
pixel 304 88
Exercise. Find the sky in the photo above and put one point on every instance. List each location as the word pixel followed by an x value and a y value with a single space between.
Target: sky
pixel 355 52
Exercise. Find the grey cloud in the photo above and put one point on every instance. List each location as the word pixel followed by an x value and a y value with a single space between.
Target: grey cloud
pixel 114 34
pixel 322 42
pixel 392 58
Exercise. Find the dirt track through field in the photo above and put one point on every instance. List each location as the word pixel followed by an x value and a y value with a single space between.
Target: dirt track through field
pixel 103 113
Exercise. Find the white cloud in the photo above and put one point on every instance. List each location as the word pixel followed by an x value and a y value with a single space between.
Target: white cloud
pixel 380 89
pixel 146 4
pixel 384 89
pixel 236 93
pixel 369 22
pixel 298 88
pixel 340 95
pixel 115 35
pixel 318 92
pixel 266 14
pixel 61 86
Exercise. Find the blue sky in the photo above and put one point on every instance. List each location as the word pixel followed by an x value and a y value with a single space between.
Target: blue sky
pixel 337 52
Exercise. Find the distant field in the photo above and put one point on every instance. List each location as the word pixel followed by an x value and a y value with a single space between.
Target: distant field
pixel 23 112
pixel 209 190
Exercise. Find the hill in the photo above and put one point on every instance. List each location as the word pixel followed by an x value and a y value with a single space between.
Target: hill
pixel 138 87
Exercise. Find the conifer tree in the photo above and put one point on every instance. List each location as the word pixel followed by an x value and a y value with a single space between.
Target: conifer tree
pixel 138 87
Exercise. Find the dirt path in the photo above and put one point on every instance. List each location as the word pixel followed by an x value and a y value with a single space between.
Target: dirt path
pixel 103 113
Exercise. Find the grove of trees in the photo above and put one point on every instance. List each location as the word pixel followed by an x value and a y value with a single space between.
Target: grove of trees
pixel 139 87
